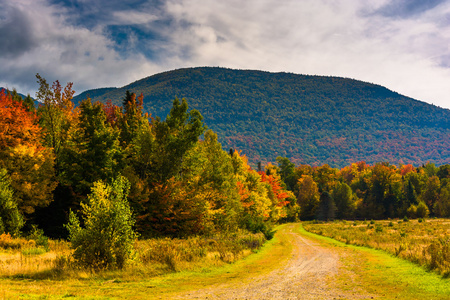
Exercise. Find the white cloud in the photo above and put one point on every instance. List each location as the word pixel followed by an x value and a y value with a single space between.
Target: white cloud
pixel 349 38
pixel 341 38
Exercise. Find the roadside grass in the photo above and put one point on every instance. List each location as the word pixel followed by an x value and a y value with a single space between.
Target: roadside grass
pixel 173 269
pixel 425 242
pixel 383 274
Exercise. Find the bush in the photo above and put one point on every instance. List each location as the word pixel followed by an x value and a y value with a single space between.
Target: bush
pixel 422 210
pixel 37 235
pixel 107 239
pixel 411 212
pixel 257 224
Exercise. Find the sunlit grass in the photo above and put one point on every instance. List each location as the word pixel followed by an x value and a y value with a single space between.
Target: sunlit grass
pixel 425 242
pixel 148 276
pixel 383 275
pixel 21 258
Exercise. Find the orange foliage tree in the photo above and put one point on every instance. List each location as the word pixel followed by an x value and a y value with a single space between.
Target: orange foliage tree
pixel 28 162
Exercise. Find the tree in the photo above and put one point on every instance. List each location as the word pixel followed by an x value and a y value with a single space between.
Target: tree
pixel 92 152
pixel 287 172
pixel 431 192
pixel 28 162
pixel 131 118
pixel 106 241
pixel 11 220
pixel 327 209
pixel 422 210
pixel 173 138
pixel 343 198
pixel 442 205
pixel 57 115
pixel 307 197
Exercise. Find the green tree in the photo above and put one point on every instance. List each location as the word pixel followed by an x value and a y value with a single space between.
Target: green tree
pixel 442 205
pixel 173 138
pixel 131 118
pixel 92 152
pixel 287 172
pixel 11 220
pixel 106 241
pixel 326 210
pixel 56 115
pixel 431 192
pixel 343 198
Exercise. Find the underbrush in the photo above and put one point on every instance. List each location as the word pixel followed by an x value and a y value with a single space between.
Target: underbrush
pixel 25 259
pixel 425 242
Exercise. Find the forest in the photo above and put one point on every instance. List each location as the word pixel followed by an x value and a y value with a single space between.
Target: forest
pixel 65 168
pixel 313 120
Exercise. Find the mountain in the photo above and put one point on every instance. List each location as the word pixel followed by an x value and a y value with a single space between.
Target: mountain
pixel 309 119
pixel 35 102
pixel 21 95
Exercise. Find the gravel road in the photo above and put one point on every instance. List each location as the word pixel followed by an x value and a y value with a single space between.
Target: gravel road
pixel 308 274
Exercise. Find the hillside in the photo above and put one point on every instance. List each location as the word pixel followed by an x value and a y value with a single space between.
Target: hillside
pixel 309 119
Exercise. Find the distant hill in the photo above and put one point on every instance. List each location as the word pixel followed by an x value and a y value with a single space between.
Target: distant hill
pixel 21 95
pixel 94 94
pixel 309 119
pixel 36 103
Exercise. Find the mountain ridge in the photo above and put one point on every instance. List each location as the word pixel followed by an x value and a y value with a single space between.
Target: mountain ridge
pixel 308 118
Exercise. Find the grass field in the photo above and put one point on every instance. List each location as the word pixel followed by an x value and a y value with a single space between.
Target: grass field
pixel 46 275
pixel 425 242
pixel 38 276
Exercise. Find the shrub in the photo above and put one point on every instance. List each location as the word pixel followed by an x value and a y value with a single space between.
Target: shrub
pixel 107 239
pixel 37 235
pixel 411 212
pixel 422 210
pixel 257 224
pixel 7 242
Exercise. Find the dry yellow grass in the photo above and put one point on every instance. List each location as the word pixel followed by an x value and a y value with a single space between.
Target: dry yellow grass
pixel 426 243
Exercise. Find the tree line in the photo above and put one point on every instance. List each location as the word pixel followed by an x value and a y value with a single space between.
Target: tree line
pixel 362 191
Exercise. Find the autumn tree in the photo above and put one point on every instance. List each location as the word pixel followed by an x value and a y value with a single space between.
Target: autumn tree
pixel 29 164
pixel 57 115
pixel 307 197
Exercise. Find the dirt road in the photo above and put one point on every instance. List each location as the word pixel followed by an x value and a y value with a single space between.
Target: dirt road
pixel 309 274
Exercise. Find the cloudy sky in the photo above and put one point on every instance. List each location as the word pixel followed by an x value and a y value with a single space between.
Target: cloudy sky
pixel 401 44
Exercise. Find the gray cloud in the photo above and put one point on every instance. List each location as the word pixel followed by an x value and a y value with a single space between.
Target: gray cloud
pixel 15 32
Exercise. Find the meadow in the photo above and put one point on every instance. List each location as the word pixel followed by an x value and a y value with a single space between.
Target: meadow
pixel 52 259
pixel 423 241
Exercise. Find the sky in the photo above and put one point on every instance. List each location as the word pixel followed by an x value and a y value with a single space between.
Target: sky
pixel 403 45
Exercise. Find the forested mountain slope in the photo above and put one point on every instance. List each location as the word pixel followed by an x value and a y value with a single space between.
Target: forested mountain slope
pixel 309 119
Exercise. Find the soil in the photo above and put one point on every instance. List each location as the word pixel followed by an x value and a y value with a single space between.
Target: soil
pixel 309 274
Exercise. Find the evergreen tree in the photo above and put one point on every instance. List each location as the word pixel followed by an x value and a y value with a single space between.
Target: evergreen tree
pixel 327 209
